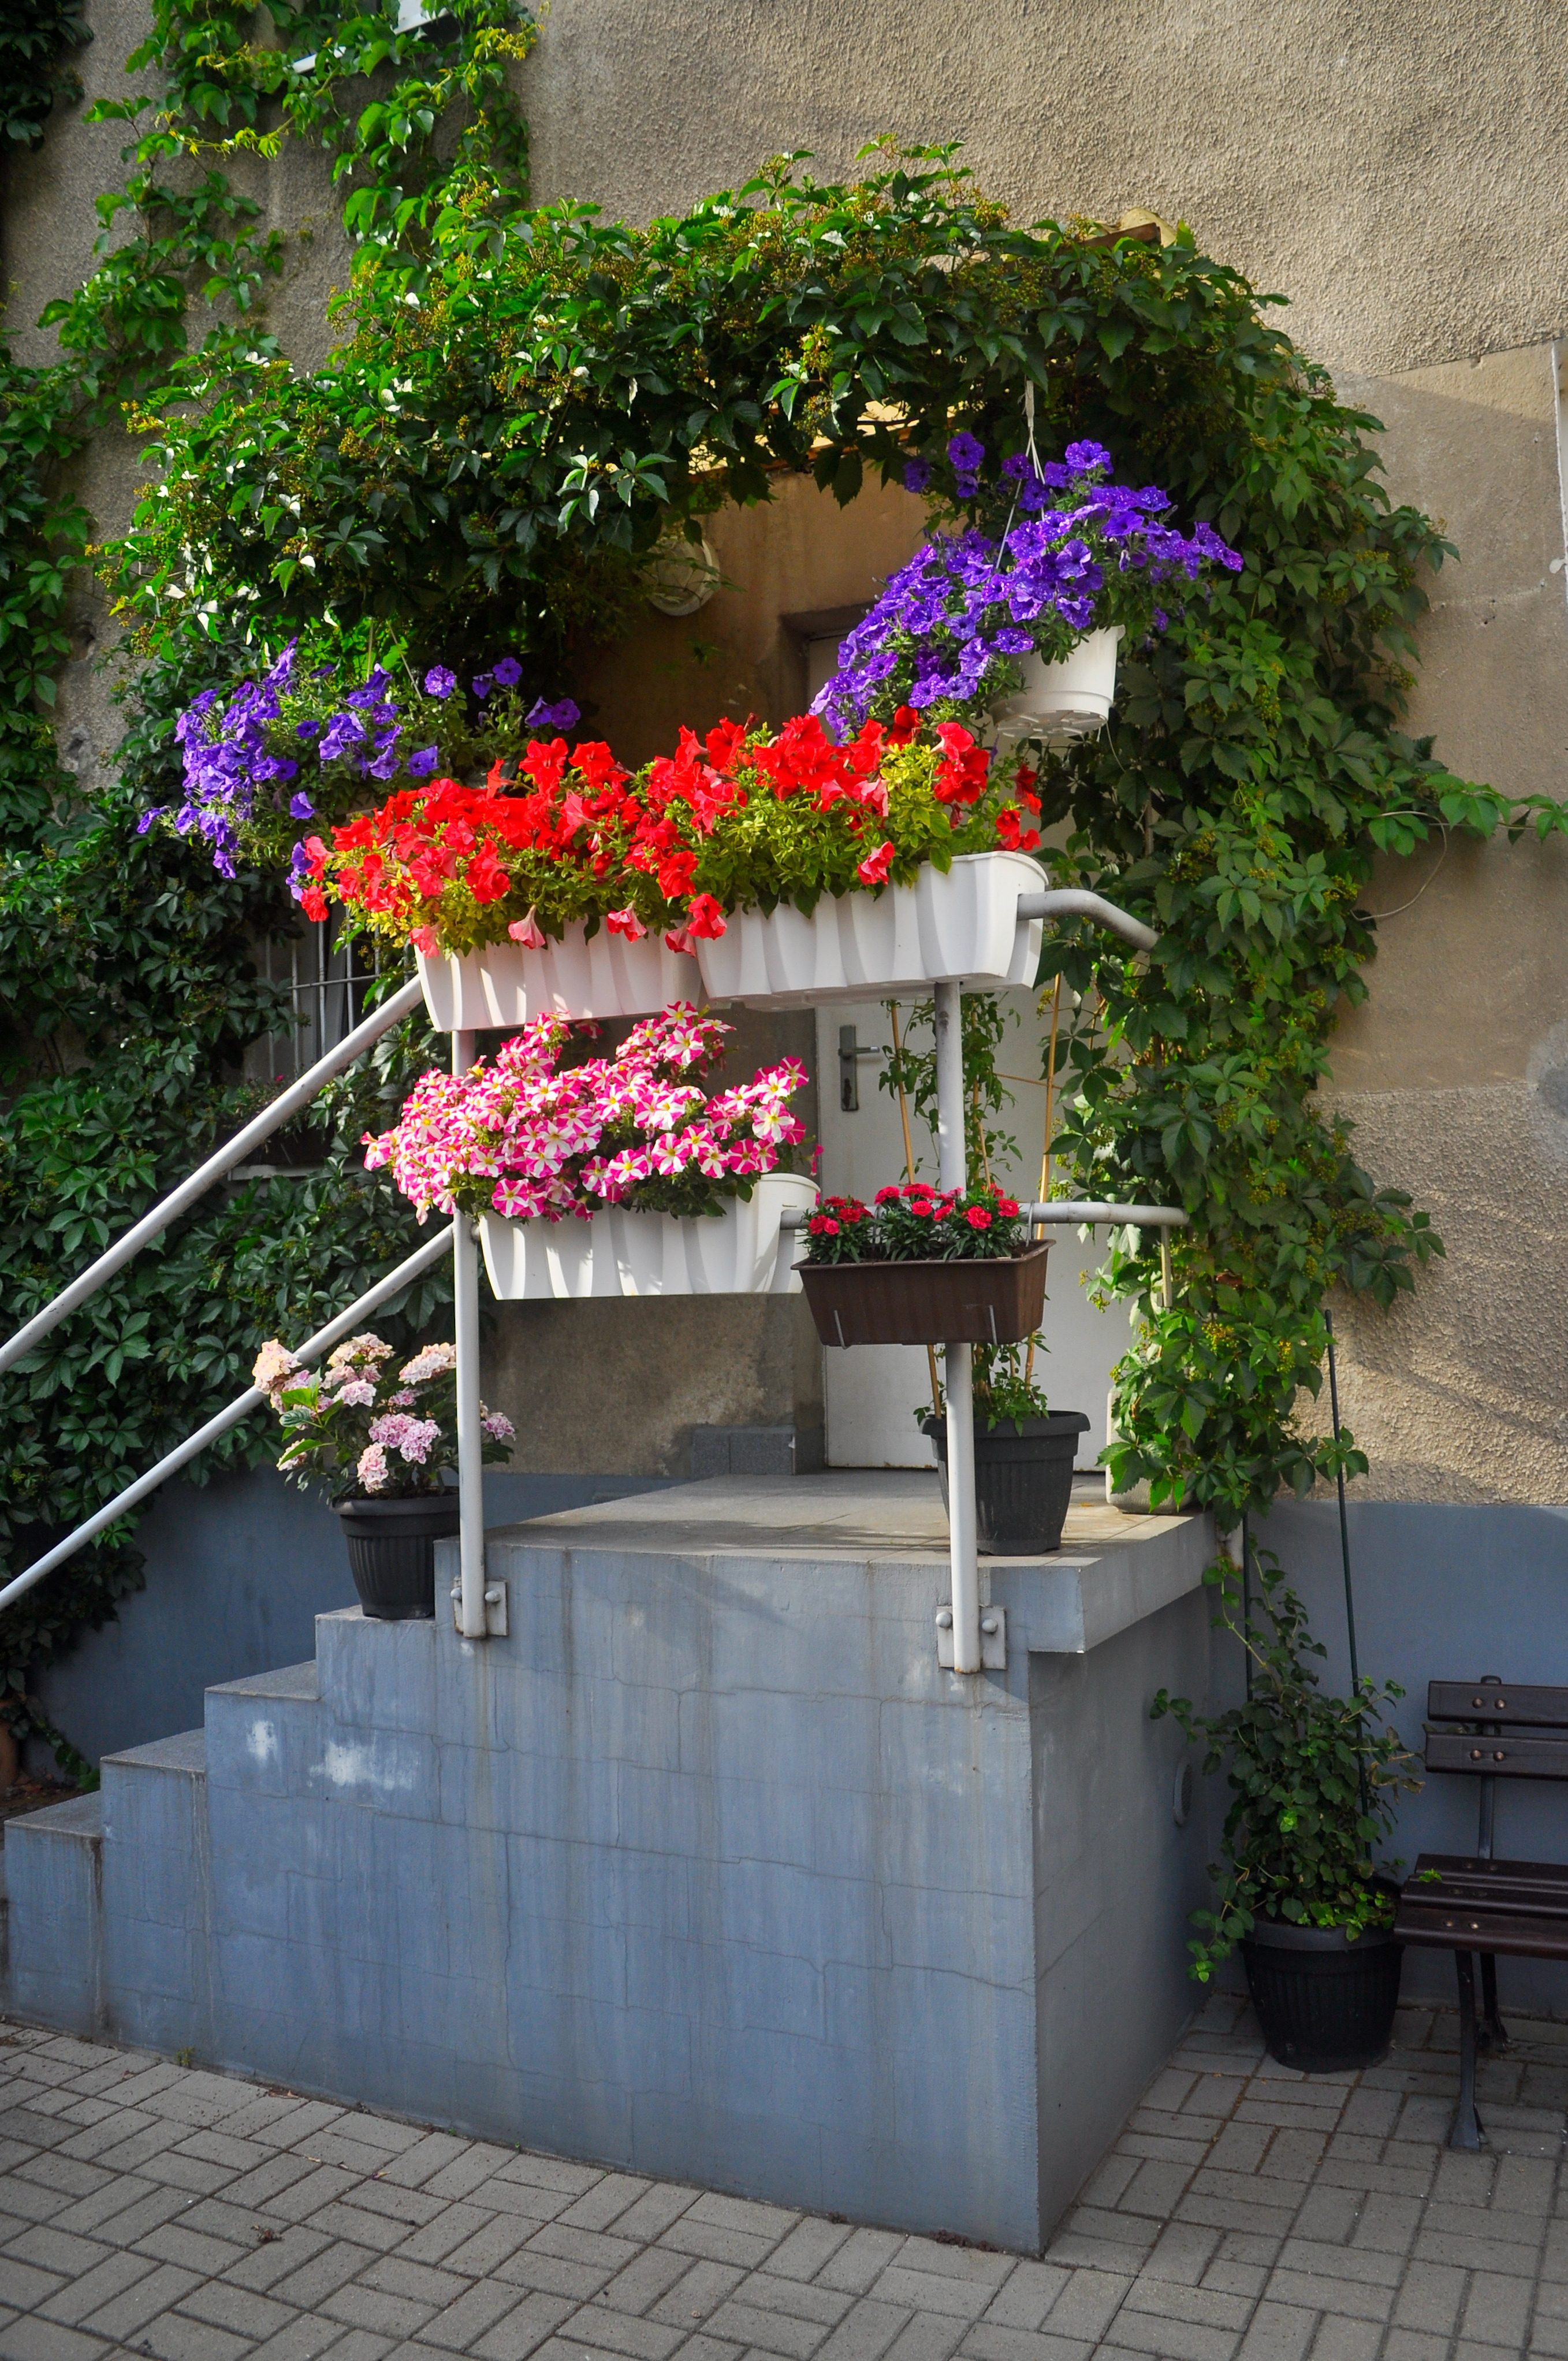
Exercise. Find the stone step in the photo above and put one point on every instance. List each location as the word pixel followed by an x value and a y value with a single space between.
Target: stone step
pixel 54 1882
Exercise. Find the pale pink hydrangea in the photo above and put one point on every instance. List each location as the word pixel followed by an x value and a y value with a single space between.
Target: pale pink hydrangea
pixel 359 1393
pixel 276 1367
pixel 409 1437
pixel 431 1361
pixel 497 1425
pixel 372 1470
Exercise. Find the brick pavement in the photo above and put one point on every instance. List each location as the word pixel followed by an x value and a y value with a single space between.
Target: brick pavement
pixel 1246 2213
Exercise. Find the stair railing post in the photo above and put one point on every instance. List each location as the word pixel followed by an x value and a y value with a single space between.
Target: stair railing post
pixel 952 1172
pixel 471 1621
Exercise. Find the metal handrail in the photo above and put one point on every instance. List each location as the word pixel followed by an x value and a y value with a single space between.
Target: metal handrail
pixel 1076 902
pixel 131 1242
pixel 252 1398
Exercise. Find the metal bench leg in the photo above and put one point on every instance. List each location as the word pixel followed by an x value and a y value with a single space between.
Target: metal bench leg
pixel 1493 2032
pixel 1466 2132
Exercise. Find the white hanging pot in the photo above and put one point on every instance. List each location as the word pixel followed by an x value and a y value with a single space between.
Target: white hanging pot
pixel 1063 702
pixel 600 975
pixel 741 1251
pixel 961 923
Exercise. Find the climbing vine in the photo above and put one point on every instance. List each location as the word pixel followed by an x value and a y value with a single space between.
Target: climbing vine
pixel 517 420
pixel 128 991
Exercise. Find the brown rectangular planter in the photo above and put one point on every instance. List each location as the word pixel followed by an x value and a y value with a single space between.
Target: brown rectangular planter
pixel 994 1302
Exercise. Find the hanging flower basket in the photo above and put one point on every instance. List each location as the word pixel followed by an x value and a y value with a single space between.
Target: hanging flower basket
pixel 601 976
pixel 1060 703
pixel 961 924
pixel 992 1303
pixel 739 1252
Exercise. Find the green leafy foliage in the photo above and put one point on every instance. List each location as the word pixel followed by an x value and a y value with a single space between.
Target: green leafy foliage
pixel 1314 1780
pixel 35 36
pixel 129 990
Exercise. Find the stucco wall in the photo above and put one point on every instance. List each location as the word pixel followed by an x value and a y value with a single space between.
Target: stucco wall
pixel 1455 1072
pixel 1397 169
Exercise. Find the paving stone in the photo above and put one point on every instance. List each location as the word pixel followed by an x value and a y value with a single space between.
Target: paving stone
pixel 865 2333
pixel 1171 2340
pixel 1278 2331
pixel 45 2340
pixel 1413 2345
pixel 128 2311
pixel 1429 2297
pixel 1357 2300
pixel 862 2256
pixel 1025 2296
pixel 373 2308
pixel 241 2309
pixel 1087 2305
pixel 522 2330
pixel 985 2342
pixel 174 2337
pixel 1497 2311
pixel 468 2242
pixel 926 2337
pixel 808 2248
pixel 456 2327
pixel 1340 2339
pixel 698 2292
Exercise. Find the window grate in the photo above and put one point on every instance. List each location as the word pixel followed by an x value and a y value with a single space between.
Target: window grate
pixel 323 968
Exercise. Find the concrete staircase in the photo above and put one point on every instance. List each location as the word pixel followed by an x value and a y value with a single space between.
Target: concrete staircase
pixel 706 1869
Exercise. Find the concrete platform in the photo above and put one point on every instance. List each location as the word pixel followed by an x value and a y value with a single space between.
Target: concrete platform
pixel 705 1870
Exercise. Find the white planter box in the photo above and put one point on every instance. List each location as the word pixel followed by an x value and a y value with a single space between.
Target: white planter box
pixel 603 976
pixel 963 924
pixel 740 1252
pixel 1064 702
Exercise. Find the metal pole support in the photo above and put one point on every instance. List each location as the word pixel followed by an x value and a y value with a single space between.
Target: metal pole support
pixel 952 1173
pixel 471 1619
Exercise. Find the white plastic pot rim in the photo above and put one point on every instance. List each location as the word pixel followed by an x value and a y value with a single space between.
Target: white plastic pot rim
pixel 740 1252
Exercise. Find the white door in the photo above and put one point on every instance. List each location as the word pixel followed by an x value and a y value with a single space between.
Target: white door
pixel 874 1391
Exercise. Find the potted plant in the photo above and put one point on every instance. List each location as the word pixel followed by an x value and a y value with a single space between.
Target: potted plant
pixel 1022 624
pixel 923 1267
pixel 1314 1781
pixel 785 864
pixel 1023 1454
pixel 610 1176
pixel 383 1444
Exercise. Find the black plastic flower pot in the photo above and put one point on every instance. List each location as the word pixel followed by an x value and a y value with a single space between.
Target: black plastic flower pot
pixel 391 1552
pixel 1325 1999
pixel 1022 1479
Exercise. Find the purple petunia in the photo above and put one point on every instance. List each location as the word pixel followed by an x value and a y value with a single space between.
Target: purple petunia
pixel 439 682
pixel 917 475
pixel 965 603
pixel 420 764
pixel 302 807
pixel 482 684
pixel 561 715
pixel 509 672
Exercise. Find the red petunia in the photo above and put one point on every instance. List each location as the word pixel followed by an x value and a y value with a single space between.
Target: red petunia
pixel 705 918
pixel 873 869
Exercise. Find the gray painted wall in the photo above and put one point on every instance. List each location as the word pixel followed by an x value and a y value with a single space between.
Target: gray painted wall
pixel 237 1571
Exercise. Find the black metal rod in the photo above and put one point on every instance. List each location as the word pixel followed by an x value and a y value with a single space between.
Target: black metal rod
pixel 1343 1517
pixel 1344 1557
pixel 1247 1607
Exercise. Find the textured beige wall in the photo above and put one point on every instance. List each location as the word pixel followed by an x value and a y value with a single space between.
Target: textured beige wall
pixel 1455 1072
pixel 1398 170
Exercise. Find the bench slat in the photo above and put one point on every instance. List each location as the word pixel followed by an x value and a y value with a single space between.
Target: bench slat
pixel 1518 1907
pixel 1518 1702
pixel 1506 1756
pixel 1521 1938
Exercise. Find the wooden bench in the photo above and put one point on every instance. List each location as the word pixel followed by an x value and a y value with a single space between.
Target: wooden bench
pixel 1473 1904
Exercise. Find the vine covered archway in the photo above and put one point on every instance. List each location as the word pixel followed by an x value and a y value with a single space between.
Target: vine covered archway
pixel 530 401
